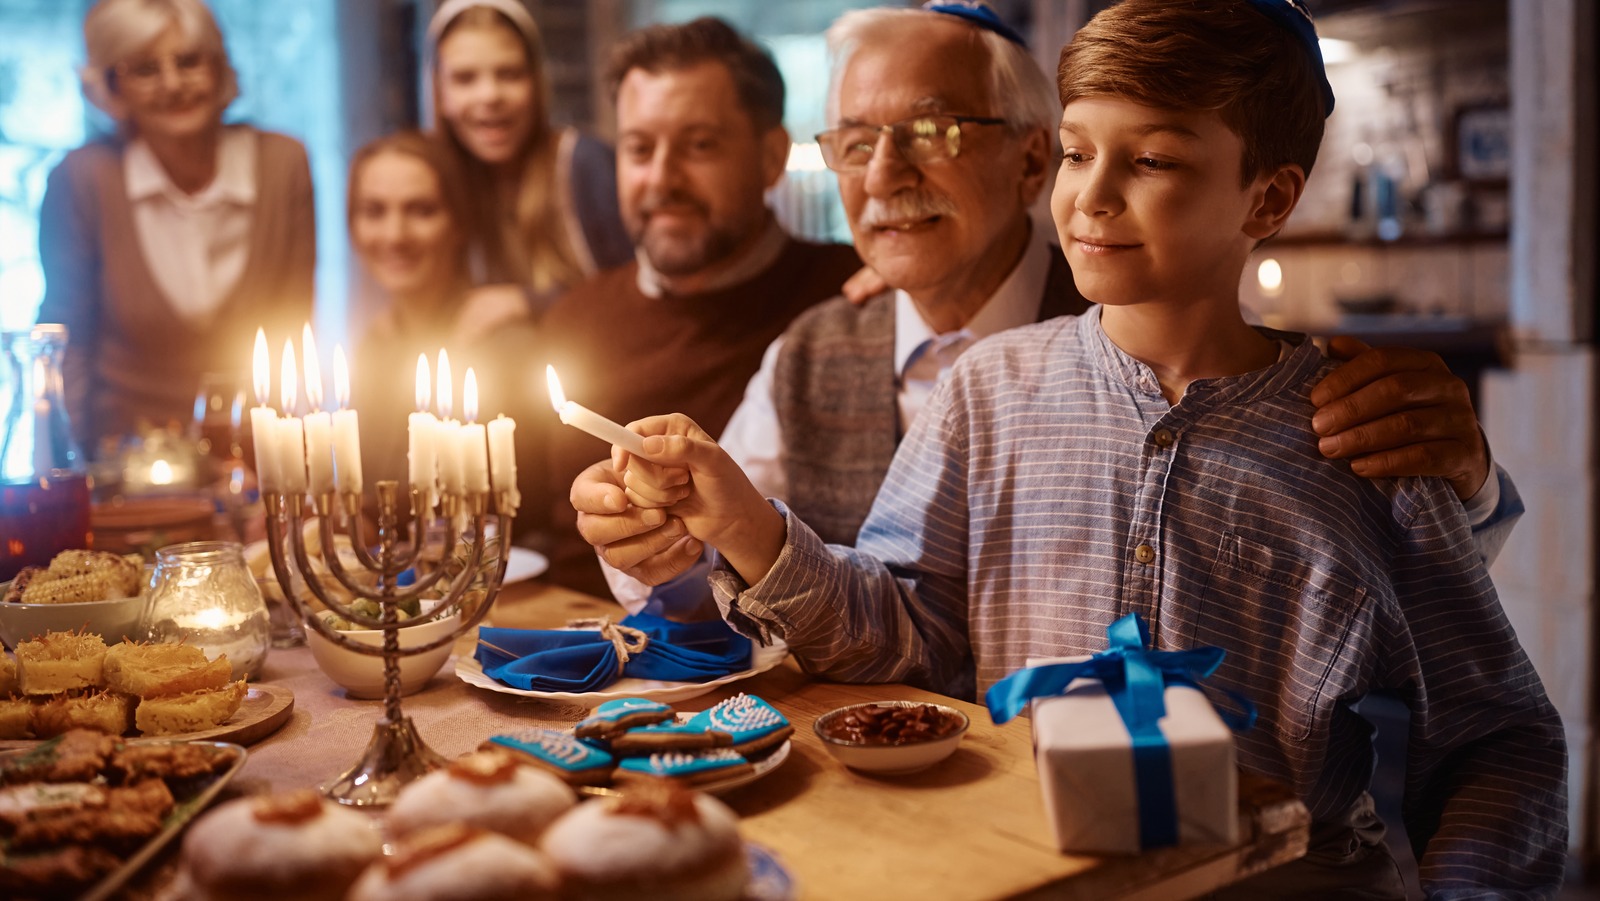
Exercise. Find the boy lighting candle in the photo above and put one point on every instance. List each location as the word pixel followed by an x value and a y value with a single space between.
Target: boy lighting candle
pixel 585 419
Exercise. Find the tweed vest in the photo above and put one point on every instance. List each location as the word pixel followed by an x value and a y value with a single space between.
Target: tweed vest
pixel 834 388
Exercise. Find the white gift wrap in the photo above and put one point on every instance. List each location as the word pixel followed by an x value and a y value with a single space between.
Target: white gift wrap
pixel 1085 761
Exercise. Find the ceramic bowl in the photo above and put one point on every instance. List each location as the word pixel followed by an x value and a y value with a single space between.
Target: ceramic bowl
pixel 890 759
pixel 112 620
pixel 361 675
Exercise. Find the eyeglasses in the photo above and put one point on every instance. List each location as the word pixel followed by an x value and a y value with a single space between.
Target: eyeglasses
pixel 920 139
pixel 143 74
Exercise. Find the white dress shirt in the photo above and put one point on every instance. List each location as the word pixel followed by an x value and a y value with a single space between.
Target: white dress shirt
pixel 195 244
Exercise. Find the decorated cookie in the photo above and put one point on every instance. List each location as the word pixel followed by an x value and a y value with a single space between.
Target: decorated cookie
pixel 616 717
pixel 686 767
pixel 561 753
pixel 684 736
pixel 753 724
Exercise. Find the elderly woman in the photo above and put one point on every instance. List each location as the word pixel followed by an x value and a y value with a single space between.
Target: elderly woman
pixel 543 200
pixel 407 207
pixel 166 246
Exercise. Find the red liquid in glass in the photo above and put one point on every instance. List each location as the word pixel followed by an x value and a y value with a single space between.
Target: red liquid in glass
pixel 40 519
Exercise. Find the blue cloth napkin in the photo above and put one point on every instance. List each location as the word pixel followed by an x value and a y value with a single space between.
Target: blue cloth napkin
pixel 585 660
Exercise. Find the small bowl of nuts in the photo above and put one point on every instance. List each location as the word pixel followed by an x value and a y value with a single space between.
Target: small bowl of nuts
pixel 891 737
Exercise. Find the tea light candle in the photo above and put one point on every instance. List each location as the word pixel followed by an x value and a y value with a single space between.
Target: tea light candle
pixel 346 432
pixel 318 425
pixel 473 443
pixel 587 420
pixel 422 433
pixel 264 420
pixel 503 456
pixel 291 440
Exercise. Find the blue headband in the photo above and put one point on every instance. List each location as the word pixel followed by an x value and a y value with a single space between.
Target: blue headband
pixel 1293 15
pixel 978 13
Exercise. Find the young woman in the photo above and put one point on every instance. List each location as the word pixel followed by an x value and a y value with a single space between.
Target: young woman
pixel 542 201
pixel 406 212
pixel 165 246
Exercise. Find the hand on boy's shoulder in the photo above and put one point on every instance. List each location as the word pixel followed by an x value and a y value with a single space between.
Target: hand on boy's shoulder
pixel 1396 411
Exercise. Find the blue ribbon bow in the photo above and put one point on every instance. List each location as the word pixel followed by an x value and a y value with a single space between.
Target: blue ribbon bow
pixel 585 660
pixel 1136 679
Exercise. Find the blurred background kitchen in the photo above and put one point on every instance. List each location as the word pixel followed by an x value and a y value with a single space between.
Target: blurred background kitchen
pixel 1452 208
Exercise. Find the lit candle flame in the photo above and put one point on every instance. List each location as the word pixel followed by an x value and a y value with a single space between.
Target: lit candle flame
pixel 423 383
pixel 161 473
pixel 341 377
pixel 261 369
pixel 308 345
pixel 558 398
pixel 290 386
pixel 469 396
pixel 443 397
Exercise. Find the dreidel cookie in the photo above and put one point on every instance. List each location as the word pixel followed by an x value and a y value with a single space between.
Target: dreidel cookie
pixel 685 767
pixel 753 724
pixel 561 753
pixel 616 717
pixel 673 736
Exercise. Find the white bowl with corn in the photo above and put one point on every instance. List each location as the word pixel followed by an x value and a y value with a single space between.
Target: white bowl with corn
pixel 92 591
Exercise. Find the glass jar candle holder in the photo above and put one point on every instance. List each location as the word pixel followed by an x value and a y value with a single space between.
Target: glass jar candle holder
pixel 205 596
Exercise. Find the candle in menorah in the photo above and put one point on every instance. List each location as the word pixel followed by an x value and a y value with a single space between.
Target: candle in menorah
pixel 455 486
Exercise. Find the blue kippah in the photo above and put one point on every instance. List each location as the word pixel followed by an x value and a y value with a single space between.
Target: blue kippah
pixel 1293 15
pixel 978 13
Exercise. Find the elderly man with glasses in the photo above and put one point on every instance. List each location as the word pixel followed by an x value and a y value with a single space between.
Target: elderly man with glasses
pixel 937 168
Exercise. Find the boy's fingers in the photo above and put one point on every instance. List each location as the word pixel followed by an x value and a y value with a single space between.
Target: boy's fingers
pixel 646 495
pixel 654 473
pixel 609 528
pixel 595 490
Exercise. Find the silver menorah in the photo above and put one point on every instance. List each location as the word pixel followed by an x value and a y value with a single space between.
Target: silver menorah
pixel 396 754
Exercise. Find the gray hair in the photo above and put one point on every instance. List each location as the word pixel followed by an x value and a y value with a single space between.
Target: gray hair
pixel 1019 89
pixel 115 30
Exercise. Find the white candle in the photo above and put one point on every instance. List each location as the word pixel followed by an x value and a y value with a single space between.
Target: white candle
pixel 264 420
pixel 346 432
pixel 421 431
pixel 291 440
pixel 587 420
pixel 474 443
pixel 318 426
pixel 503 454
pixel 452 475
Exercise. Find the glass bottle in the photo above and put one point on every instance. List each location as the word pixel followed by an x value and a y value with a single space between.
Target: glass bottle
pixel 205 596
pixel 44 479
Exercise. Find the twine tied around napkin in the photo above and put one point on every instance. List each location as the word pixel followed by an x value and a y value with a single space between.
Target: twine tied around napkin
pixel 599 652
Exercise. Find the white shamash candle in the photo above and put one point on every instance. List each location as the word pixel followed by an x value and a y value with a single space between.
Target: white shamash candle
pixel 422 432
pixel 587 420
pixel 473 442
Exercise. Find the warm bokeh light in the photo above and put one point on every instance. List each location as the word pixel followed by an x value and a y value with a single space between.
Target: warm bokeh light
pixel 423 383
pixel 261 369
pixel 290 388
pixel 469 396
pixel 1269 275
pixel 341 377
pixel 444 397
pixel 308 346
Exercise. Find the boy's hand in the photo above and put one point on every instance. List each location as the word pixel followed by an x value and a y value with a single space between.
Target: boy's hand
pixel 1395 411
pixel 647 543
pixel 707 491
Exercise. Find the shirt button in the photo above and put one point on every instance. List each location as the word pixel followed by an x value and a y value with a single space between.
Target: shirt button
pixel 1144 553
pixel 1164 438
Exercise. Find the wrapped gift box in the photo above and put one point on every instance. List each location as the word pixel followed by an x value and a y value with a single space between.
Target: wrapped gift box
pixel 1086 769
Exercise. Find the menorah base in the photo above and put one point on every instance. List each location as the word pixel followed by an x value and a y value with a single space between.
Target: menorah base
pixel 396 756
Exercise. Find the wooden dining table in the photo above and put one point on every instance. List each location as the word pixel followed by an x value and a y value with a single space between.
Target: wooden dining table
pixel 970 827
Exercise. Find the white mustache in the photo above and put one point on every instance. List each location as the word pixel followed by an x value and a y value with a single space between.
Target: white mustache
pixel 910 206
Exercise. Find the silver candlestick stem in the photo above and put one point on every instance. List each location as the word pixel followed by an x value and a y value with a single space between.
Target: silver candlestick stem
pixel 396 754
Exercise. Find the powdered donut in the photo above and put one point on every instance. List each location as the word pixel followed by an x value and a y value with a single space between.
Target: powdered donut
pixel 488 789
pixel 660 842
pixel 459 863
pixel 294 845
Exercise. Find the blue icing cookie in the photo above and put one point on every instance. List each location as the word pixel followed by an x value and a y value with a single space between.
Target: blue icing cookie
pixel 745 717
pixel 613 717
pixel 682 764
pixel 558 750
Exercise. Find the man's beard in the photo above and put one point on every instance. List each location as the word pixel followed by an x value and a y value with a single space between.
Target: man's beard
pixel 679 254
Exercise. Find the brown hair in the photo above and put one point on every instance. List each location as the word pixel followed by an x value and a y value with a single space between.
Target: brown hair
pixel 544 255
pixel 660 48
pixel 439 160
pixel 1219 56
